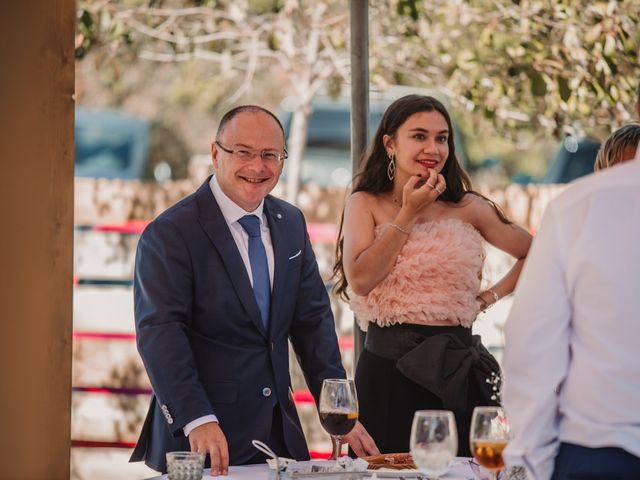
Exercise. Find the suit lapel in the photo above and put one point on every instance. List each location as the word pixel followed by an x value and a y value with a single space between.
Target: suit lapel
pixel 277 222
pixel 216 228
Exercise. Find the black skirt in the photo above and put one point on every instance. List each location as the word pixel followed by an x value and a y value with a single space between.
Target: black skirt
pixel 388 399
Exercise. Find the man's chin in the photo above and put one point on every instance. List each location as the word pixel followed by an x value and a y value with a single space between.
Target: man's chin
pixel 254 193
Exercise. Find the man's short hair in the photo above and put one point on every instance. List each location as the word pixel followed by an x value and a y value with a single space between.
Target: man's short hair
pixel 231 114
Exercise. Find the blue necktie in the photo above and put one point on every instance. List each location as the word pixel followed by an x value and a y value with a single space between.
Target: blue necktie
pixel 259 266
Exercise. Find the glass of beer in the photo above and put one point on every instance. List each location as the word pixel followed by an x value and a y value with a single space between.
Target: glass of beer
pixel 488 437
pixel 338 410
pixel 434 441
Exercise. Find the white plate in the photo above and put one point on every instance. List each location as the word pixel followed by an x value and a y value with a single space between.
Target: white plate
pixel 388 473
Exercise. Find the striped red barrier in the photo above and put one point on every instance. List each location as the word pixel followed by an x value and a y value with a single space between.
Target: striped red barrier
pixel 96 444
pixel 300 397
pixel 345 343
pixel 319 455
pixel 131 227
pixel 104 335
pixel 114 390
pixel 323 232
pixel 318 233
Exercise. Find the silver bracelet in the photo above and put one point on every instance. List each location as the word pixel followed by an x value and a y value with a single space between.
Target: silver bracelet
pixel 493 293
pixel 400 229
pixel 495 296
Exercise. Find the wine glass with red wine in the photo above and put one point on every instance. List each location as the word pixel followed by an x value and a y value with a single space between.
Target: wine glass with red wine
pixel 338 410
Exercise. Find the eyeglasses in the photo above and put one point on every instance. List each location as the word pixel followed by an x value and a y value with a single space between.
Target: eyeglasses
pixel 270 157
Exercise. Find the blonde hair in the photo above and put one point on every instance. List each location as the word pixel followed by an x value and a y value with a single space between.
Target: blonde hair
pixel 612 150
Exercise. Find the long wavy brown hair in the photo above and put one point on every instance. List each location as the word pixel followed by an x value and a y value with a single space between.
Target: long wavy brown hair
pixel 372 176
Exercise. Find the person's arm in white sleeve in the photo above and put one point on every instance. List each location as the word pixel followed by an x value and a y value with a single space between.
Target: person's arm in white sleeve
pixel 536 355
pixel 197 422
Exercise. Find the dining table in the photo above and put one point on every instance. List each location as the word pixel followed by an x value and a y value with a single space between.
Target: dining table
pixel 461 469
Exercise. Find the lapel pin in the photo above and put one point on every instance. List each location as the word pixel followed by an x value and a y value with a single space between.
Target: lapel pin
pixel 279 216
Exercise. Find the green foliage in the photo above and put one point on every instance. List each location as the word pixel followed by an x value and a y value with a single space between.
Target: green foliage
pixel 565 66
pixel 518 71
pixel 408 8
pixel 260 7
pixel 198 88
pixel 84 35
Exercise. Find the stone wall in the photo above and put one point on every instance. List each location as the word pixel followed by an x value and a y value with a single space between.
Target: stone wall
pixel 117 201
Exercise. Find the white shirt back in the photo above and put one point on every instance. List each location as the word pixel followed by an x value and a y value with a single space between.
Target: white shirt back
pixel 572 371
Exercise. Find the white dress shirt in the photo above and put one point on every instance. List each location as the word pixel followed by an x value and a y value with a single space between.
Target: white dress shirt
pixel 571 363
pixel 232 213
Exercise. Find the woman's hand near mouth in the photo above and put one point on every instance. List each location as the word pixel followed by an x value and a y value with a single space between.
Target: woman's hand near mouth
pixel 419 192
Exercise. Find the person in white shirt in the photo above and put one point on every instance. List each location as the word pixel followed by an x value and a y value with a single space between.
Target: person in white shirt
pixel 571 367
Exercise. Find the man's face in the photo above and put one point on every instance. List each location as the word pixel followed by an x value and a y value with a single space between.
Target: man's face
pixel 247 181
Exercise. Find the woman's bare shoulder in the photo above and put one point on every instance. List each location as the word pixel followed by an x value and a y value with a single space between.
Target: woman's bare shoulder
pixel 362 200
pixel 472 208
pixel 476 203
pixel 469 202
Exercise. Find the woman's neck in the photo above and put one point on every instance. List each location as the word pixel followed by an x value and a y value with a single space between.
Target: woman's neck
pixel 396 196
pixel 396 191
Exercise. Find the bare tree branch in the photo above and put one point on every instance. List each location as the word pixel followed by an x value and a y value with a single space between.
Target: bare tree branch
pixel 158 33
pixel 175 12
pixel 249 70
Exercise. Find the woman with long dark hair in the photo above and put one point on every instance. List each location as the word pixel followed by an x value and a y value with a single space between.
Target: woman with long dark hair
pixel 409 259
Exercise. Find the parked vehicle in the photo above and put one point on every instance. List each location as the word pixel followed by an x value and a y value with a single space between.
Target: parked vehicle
pixel 575 158
pixel 113 144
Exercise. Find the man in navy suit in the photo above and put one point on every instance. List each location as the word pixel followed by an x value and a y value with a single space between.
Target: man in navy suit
pixel 223 280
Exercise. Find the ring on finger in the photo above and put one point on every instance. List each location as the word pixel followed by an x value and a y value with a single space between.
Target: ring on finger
pixel 439 191
pixel 432 187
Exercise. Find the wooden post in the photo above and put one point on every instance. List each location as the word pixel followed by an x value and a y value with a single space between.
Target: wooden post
pixel 359 107
pixel 36 241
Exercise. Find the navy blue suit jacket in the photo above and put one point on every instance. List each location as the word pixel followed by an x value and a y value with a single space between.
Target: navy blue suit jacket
pixel 200 336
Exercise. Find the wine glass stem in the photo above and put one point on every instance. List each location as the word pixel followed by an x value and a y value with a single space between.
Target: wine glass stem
pixel 337 447
pixel 493 474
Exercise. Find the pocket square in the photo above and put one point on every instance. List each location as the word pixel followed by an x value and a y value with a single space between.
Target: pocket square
pixel 296 255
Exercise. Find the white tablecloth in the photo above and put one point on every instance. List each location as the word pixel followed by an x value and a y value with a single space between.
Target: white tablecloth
pixel 459 471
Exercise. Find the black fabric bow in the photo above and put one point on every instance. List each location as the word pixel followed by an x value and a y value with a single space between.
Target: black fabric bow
pixel 443 364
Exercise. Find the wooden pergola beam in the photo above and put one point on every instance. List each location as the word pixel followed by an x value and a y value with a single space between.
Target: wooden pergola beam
pixel 36 244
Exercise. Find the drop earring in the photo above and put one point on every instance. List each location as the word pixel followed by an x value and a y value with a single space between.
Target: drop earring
pixel 391 168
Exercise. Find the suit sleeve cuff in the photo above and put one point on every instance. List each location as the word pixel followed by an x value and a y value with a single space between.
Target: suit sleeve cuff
pixel 197 422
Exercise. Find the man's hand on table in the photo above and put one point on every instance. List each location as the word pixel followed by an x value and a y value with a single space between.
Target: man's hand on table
pixel 209 438
pixel 361 442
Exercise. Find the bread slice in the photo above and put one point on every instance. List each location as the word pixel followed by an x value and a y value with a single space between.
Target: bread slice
pixel 394 461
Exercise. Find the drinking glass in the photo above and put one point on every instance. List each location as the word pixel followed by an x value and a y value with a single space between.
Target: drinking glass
pixel 185 465
pixel 488 437
pixel 434 441
pixel 338 410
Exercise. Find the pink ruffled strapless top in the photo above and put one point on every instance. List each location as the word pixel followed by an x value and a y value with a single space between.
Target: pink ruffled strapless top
pixel 434 281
